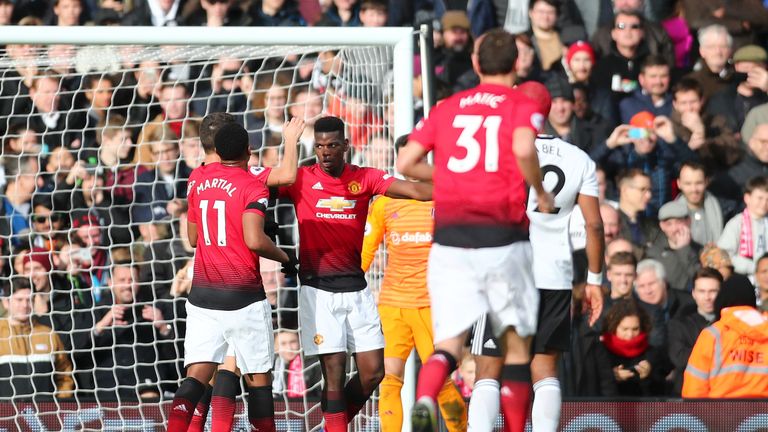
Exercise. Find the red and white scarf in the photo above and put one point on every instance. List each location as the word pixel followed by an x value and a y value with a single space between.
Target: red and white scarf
pixel 296 386
pixel 746 246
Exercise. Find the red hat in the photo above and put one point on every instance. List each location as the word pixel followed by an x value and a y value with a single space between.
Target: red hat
pixel 40 256
pixel 643 119
pixel 577 47
pixel 537 92
pixel 85 219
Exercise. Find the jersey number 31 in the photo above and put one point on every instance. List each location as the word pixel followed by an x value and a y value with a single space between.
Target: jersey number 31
pixel 469 125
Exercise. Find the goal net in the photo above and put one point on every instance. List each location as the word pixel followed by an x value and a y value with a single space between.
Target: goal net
pixel 98 141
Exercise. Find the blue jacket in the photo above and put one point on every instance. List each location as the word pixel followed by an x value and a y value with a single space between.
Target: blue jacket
pixel 18 222
pixel 640 101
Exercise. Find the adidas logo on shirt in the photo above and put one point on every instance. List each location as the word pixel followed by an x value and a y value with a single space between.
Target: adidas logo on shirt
pixel 489 344
pixel 180 407
pixel 317 186
pixel 197 413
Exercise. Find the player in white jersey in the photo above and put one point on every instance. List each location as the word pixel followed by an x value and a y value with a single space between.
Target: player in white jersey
pixel 569 174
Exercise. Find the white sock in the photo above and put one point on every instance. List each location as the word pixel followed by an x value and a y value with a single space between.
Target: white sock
pixel 545 415
pixel 483 406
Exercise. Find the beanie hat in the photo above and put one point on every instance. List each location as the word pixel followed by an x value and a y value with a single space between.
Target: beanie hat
pixel 736 291
pixel 40 256
pixel 579 46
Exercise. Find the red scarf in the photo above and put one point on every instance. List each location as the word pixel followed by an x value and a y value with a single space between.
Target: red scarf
pixel 625 348
pixel 296 387
pixel 746 249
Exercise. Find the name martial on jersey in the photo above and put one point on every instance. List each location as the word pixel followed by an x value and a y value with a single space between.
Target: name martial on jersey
pixel 220 183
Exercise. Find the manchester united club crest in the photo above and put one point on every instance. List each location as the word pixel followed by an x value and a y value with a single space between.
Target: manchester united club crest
pixel 354 187
pixel 318 339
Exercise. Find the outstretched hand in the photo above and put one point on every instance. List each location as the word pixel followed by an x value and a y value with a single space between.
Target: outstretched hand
pixel 292 130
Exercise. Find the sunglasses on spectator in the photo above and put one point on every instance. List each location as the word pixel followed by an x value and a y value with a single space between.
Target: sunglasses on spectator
pixel 53 217
pixel 624 26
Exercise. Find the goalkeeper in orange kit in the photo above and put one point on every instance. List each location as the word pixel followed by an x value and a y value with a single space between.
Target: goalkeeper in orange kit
pixel 404 307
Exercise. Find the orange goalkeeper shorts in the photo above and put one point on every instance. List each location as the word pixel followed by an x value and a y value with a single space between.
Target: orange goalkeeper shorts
pixel 405 329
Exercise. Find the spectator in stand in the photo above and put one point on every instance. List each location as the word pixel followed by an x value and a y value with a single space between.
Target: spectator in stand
pixel 656 37
pixel 713 71
pixel 129 361
pixel 17 82
pixel 527 68
pixel 754 163
pixel 746 91
pixel 709 136
pixel 37 363
pixel 99 92
pixel 743 18
pixel 67 13
pixel 543 16
pixel 157 189
pixel 653 149
pixel 634 195
pixel 219 13
pixel 36 265
pixel 653 95
pixel 267 114
pixel 745 236
pixel 611 223
pixel 703 208
pixel 564 124
pixel 738 343
pixel 146 92
pixel 577 64
pixel 6 12
pixel 19 140
pixel 683 330
pixel 294 376
pixel 87 233
pixel 273 13
pixel 191 150
pixel 57 123
pixel 626 351
pixel 158 13
pixel 17 197
pixel 619 66
pixel 47 225
pixel 761 282
pixel 453 59
pixel 373 13
pixel 341 13
pixel 679 32
pixel 229 85
pixel 174 98
pixel 616 246
pixel 305 103
pixel 621 276
pixel 676 250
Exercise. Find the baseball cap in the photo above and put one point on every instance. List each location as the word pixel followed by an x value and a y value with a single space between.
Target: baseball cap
pixel 643 119
pixel 673 210
pixel 559 87
pixel 455 18
pixel 83 219
pixel 750 53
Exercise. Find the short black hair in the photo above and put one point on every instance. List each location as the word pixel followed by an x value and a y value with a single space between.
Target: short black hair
pixel 757 182
pixel 693 165
pixel 497 52
pixel 210 125
pixel 231 142
pixel 653 60
pixel 687 84
pixel 707 273
pixel 400 142
pixel 629 12
pixel 16 283
pixel 330 124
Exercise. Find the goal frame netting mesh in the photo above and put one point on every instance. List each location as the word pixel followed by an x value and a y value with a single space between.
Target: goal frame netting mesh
pixel 366 79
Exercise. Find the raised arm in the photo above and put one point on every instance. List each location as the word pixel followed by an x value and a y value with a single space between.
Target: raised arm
pixel 417 190
pixel 285 174
pixel 411 162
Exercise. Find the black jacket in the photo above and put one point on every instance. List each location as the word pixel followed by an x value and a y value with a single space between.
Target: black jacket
pixel 682 332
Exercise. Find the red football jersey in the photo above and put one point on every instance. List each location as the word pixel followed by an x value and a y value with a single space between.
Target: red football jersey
pixel 331 212
pixel 227 275
pixel 479 191
pixel 261 173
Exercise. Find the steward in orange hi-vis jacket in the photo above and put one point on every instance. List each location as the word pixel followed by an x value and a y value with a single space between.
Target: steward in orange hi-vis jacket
pixel 730 358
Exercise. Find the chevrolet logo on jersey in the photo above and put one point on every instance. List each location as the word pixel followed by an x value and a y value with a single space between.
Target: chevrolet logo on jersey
pixel 336 204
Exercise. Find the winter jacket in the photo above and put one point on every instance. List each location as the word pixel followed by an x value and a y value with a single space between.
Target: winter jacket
pixel 729 358
pixel 33 362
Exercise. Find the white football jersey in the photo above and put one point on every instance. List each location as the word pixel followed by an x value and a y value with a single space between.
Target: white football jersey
pixel 568 172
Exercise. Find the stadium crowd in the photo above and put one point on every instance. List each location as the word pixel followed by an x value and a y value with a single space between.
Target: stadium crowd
pixel 669 98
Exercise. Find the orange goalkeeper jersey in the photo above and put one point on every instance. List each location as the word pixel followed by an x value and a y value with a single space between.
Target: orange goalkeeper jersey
pixel 407 226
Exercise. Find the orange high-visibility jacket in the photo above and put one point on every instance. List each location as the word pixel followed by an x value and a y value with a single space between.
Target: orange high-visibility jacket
pixel 730 358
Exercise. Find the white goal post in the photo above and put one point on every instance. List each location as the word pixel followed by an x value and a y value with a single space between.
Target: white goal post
pixel 378 70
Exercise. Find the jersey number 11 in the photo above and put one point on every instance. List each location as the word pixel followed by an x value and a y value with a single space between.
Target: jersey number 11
pixel 221 225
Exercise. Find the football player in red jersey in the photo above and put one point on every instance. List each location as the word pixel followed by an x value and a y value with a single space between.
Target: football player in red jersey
pixel 480 262
pixel 221 394
pixel 227 310
pixel 337 314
